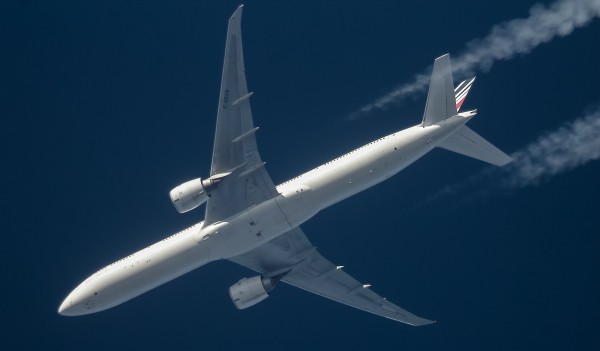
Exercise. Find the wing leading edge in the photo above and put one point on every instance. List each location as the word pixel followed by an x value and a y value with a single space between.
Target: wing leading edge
pixel 235 151
pixel 310 271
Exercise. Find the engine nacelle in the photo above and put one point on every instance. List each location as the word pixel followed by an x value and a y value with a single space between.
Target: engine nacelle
pixel 189 195
pixel 250 291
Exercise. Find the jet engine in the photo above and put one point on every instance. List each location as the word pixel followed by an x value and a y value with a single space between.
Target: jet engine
pixel 189 195
pixel 193 193
pixel 250 291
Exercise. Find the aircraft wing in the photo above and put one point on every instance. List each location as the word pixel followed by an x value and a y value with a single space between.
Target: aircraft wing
pixel 310 271
pixel 235 149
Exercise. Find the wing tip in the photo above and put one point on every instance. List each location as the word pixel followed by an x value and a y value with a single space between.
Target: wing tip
pixel 237 14
pixel 421 322
pixel 410 319
pixel 443 57
pixel 506 160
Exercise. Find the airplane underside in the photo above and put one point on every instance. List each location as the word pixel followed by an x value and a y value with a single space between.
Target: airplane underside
pixel 252 222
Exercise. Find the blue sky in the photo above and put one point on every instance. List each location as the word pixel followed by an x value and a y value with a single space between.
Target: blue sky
pixel 107 105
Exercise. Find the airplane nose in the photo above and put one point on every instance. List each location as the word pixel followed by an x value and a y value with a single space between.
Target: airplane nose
pixel 76 304
pixel 65 308
pixel 69 307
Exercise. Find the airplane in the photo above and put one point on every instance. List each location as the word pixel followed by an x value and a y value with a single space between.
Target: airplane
pixel 250 221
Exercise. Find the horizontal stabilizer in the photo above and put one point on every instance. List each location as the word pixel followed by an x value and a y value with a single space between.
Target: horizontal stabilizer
pixel 466 142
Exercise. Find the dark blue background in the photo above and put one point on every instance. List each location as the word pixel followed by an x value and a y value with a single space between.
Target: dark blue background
pixel 107 105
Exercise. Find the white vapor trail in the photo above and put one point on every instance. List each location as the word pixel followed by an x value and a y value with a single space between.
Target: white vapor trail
pixel 505 41
pixel 571 145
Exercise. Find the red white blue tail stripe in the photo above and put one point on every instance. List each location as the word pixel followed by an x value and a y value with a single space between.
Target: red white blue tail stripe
pixel 461 91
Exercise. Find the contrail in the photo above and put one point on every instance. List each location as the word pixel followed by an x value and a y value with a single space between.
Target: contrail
pixel 505 41
pixel 572 145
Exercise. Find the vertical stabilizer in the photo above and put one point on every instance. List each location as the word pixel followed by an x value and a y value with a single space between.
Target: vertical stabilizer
pixel 441 102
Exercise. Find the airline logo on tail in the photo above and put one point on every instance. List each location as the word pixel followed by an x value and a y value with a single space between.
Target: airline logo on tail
pixel 461 91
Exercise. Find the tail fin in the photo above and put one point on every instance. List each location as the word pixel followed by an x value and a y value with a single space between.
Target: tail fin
pixel 466 142
pixel 441 102
pixel 444 101
pixel 461 92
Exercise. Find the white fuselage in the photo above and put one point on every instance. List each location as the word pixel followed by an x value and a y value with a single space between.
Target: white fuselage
pixel 298 200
